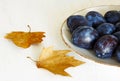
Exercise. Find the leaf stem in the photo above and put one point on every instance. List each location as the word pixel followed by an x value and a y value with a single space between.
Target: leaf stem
pixel 29 28
pixel 31 59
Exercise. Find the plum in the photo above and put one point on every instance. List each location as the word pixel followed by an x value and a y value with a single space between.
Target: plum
pixel 105 46
pixel 76 20
pixel 117 26
pixel 105 29
pixel 112 16
pixel 95 18
pixel 117 34
pixel 117 53
pixel 84 37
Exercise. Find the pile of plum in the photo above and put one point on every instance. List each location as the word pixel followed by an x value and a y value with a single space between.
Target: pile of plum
pixel 98 32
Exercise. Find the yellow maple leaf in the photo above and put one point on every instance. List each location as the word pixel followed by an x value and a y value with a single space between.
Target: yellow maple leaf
pixel 56 61
pixel 25 39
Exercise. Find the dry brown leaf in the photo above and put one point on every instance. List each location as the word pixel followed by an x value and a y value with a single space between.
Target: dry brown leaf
pixel 25 39
pixel 56 61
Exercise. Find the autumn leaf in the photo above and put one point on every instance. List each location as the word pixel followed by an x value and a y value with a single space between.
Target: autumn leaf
pixel 56 61
pixel 25 39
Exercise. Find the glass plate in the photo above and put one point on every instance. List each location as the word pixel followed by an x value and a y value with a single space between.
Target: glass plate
pixel 66 36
